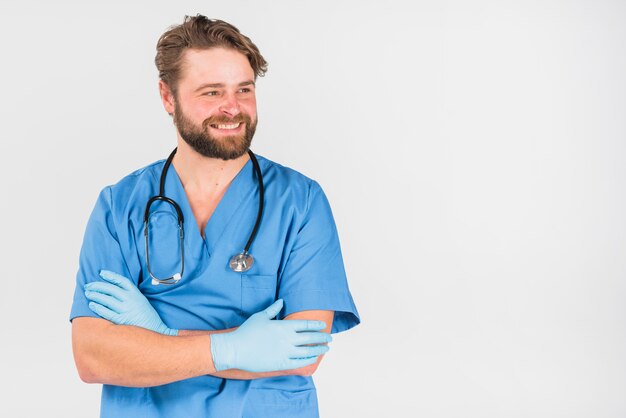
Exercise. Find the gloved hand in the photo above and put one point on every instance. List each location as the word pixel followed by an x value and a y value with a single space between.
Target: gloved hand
pixel 121 302
pixel 263 345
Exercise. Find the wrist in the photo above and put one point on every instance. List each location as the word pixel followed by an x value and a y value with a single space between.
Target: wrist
pixel 171 331
pixel 163 329
pixel 219 351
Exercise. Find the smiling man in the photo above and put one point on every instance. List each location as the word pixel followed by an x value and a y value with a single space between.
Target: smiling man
pixel 209 283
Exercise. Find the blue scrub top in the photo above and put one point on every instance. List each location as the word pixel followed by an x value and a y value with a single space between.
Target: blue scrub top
pixel 297 257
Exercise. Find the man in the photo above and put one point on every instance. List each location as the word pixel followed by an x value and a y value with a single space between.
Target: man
pixel 163 314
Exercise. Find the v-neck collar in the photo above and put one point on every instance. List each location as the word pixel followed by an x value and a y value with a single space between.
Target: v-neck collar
pixel 232 199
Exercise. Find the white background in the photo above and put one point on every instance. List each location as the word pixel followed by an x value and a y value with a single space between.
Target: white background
pixel 473 153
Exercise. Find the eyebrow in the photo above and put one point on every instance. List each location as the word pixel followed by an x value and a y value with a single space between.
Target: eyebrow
pixel 221 85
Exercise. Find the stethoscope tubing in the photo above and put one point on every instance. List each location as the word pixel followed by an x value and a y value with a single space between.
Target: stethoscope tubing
pixel 161 196
pixel 259 215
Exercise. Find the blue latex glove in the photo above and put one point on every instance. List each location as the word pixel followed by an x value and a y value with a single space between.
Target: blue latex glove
pixel 121 302
pixel 263 345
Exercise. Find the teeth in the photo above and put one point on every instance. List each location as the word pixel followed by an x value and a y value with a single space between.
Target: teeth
pixel 229 126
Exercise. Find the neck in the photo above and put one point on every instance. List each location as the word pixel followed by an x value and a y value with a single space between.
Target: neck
pixel 204 174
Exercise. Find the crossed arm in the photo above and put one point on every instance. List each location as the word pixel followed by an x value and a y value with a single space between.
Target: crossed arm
pixel 137 357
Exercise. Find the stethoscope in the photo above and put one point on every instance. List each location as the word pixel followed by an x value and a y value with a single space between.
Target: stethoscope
pixel 239 263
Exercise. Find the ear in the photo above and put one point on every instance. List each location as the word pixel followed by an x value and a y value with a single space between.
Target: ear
pixel 167 97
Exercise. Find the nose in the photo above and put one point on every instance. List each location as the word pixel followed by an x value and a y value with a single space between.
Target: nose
pixel 230 106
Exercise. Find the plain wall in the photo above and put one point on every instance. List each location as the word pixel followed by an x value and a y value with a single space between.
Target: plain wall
pixel 473 153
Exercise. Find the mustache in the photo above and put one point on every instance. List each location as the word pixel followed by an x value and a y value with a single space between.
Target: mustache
pixel 221 119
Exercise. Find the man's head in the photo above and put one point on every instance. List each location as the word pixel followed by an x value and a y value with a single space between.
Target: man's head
pixel 207 72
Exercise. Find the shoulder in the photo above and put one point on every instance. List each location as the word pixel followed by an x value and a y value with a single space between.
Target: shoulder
pixel 286 180
pixel 139 177
pixel 136 185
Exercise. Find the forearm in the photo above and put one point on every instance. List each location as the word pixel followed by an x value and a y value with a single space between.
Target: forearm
pixel 132 356
pixel 236 374
pixel 188 332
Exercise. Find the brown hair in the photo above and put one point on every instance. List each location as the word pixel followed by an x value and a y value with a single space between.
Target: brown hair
pixel 199 32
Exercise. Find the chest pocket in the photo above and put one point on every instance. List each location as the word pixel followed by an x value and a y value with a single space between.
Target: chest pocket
pixel 257 292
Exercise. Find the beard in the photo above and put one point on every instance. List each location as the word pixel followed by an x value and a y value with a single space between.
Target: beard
pixel 225 147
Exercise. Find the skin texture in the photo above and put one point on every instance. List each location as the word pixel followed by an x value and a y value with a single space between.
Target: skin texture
pixel 216 83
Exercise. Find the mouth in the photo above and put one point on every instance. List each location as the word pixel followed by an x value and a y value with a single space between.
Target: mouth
pixel 226 127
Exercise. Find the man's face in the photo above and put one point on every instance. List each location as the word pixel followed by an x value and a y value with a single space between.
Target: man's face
pixel 215 106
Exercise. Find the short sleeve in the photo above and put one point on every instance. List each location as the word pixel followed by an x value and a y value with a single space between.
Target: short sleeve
pixel 100 250
pixel 314 277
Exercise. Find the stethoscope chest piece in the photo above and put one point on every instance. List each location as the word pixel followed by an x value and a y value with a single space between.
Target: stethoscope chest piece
pixel 241 262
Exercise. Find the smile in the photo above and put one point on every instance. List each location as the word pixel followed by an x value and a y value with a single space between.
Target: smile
pixel 233 126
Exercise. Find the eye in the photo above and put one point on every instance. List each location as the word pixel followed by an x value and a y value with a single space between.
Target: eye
pixel 244 90
pixel 212 93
